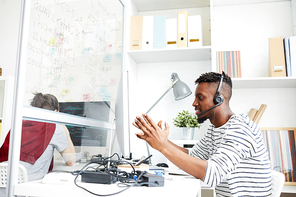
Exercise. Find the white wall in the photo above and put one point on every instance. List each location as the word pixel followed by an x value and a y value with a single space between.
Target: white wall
pixel 9 23
pixel 247 28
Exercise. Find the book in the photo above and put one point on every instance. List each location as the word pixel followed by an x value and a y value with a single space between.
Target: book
pixel 230 63
pixel 293 55
pixel 182 31
pixel 277 63
pixel 259 114
pixel 136 30
pixel 287 56
pixel 252 113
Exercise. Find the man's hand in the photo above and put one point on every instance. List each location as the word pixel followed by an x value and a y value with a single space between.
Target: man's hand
pixel 153 133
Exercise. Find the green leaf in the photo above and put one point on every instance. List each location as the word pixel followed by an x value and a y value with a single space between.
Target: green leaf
pixel 186 119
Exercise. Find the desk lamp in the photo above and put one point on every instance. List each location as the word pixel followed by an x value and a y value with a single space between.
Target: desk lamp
pixel 181 90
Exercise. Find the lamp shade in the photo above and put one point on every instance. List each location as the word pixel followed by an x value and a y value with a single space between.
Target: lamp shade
pixel 181 90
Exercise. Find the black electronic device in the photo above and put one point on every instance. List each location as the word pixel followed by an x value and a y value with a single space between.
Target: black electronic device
pixel 97 177
pixel 164 165
pixel 218 98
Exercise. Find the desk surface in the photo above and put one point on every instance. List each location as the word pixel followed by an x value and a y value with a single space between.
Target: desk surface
pixel 173 186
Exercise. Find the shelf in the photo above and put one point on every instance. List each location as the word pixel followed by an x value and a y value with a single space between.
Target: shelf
pixel 264 82
pixel 152 5
pixel 289 189
pixel 172 55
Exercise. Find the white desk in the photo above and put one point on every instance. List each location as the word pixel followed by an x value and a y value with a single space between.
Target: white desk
pixel 173 186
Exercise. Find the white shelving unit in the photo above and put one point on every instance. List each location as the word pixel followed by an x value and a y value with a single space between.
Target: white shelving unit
pixel 256 66
pixel 171 55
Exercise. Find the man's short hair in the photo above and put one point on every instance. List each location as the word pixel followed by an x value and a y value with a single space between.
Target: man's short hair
pixel 213 77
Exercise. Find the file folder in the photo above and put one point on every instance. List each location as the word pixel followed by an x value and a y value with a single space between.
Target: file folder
pixel 195 36
pixel 182 29
pixel 293 55
pixel 147 40
pixel 171 33
pixel 287 56
pixel 136 30
pixel 277 66
pixel 159 32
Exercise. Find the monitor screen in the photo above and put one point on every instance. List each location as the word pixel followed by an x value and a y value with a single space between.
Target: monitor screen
pixel 83 136
pixel 122 116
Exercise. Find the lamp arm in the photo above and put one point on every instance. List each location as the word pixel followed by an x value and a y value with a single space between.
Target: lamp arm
pixel 174 82
pixel 162 96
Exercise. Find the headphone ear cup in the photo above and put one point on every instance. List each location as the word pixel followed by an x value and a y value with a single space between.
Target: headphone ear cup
pixel 218 99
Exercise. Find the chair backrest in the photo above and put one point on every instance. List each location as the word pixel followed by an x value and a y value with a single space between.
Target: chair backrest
pixel 22 175
pixel 277 183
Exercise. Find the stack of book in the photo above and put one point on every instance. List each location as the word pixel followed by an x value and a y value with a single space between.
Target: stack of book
pixel 230 63
pixel 282 57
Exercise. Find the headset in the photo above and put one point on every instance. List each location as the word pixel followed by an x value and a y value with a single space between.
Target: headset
pixel 53 102
pixel 218 98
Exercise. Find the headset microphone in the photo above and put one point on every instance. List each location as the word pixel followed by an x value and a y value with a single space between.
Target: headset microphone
pixel 218 98
pixel 209 109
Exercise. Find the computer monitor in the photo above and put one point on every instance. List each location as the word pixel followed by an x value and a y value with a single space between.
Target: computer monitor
pixel 122 116
pixel 88 141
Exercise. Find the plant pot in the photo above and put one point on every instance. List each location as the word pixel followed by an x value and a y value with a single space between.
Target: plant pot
pixel 187 134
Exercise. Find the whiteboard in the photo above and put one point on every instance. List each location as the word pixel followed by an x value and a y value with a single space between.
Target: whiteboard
pixel 74 50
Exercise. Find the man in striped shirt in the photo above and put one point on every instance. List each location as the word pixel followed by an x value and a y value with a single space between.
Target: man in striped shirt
pixel 231 156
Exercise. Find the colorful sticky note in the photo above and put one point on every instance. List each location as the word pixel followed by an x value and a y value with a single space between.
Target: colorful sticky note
pixel 103 91
pixel 52 41
pixel 86 51
pixel 86 97
pixel 51 51
pixel 118 54
pixel 113 81
pixel 65 92
pixel 108 97
pixel 107 58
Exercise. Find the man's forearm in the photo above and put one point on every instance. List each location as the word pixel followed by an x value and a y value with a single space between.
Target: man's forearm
pixel 192 165
pixel 179 147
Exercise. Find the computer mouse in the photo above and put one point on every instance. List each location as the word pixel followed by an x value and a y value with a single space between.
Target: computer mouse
pixel 162 165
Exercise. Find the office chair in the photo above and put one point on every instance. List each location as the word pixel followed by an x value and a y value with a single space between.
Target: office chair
pixel 277 183
pixel 22 175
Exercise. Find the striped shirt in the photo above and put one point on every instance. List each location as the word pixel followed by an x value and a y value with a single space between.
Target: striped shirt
pixel 237 161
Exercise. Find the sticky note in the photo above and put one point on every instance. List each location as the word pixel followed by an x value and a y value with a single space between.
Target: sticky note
pixel 86 97
pixel 108 97
pixel 113 81
pixel 102 91
pixel 52 41
pixel 107 58
pixel 65 92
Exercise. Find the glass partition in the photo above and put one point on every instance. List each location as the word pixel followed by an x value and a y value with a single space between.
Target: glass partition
pixel 74 53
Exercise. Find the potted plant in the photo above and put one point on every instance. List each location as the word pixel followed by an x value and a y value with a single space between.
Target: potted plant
pixel 187 122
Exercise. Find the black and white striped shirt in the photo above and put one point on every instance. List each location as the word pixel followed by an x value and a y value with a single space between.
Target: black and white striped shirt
pixel 237 160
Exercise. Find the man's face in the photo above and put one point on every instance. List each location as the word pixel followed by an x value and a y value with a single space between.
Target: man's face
pixel 204 100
